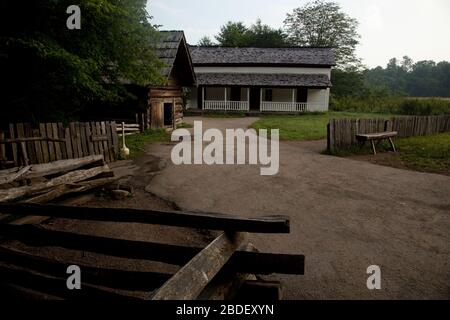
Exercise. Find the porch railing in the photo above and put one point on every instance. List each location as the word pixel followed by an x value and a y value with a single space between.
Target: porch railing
pixel 226 105
pixel 284 106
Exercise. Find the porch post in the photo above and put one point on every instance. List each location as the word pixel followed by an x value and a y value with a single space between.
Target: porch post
pixel 260 98
pixel 248 99
pixel 203 98
pixel 293 98
pixel 226 104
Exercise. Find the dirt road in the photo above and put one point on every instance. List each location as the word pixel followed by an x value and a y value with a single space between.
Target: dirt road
pixel 345 216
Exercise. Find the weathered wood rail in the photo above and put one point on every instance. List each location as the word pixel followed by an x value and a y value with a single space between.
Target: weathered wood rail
pixel 216 271
pixel 23 144
pixel 342 132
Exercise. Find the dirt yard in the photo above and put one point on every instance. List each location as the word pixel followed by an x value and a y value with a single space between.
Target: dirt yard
pixel 345 216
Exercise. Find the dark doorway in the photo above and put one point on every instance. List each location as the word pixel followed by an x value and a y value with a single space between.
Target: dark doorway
pixel 168 114
pixel 235 94
pixel 255 98
pixel 302 95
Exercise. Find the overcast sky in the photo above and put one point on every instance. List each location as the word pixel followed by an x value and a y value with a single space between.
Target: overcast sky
pixel 388 28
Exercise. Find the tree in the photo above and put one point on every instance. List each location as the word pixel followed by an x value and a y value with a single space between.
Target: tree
pixel 323 24
pixel 232 34
pixel 52 72
pixel 236 34
pixel 205 41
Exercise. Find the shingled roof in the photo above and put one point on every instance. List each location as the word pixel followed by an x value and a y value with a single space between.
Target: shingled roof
pixel 269 80
pixel 293 56
pixel 167 48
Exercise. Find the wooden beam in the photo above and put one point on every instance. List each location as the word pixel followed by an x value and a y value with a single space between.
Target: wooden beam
pixel 189 282
pixel 212 221
pixel 7 177
pixel 241 261
pixel 112 278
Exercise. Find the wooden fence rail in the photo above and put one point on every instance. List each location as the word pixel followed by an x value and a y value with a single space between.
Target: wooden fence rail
pixel 342 132
pixel 23 144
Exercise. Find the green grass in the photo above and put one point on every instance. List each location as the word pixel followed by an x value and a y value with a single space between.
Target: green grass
pixel 184 125
pixel 307 126
pixel 137 142
pixel 223 114
pixel 426 154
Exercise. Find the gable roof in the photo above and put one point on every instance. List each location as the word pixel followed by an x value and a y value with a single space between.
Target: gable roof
pixel 264 80
pixel 167 49
pixel 292 56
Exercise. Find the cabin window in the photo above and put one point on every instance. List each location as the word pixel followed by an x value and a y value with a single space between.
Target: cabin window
pixel 268 95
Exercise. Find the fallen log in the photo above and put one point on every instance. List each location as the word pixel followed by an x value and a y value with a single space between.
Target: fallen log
pixel 71 177
pixel 12 175
pixel 46 169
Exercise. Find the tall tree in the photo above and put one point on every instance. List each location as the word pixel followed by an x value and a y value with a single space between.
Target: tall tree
pixel 53 72
pixel 236 34
pixel 205 41
pixel 232 34
pixel 324 24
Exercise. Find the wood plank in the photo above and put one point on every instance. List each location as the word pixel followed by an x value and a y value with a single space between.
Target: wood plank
pixel 94 141
pixel 31 150
pixel 105 142
pixel 38 147
pixel 200 220
pixel 12 135
pixel 44 143
pixel 99 132
pixel 62 137
pixel 23 150
pixel 84 139
pixel 112 278
pixel 68 144
pixel 90 144
pixel 51 145
pixel 58 153
pixel 192 278
pixel 7 176
pixel 2 147
pixel 73 136
pixel 109 142
pixel 56 285
pixel 115 138
pixel 241 261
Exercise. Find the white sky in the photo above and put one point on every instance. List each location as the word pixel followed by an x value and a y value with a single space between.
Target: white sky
pixel 388 28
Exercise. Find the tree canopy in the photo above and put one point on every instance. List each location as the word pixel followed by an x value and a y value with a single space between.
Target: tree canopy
pixel 324 24
pixel 236 34
pixel 53 71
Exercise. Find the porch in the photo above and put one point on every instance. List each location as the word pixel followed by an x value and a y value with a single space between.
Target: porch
pixel 260 99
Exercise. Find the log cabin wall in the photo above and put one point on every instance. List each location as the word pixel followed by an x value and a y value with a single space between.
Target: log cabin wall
pixel 158 97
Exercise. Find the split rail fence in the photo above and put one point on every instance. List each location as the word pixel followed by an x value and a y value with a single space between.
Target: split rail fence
pixel 342 132
pixel 219 271
pixel 23 144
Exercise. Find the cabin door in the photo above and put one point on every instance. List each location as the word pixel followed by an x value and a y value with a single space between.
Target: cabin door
pixel 255 98
pixel 168 114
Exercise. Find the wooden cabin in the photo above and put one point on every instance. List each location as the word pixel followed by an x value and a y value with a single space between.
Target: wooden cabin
pixel 165 103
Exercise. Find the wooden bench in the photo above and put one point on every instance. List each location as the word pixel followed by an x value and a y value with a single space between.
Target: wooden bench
pixel 379 136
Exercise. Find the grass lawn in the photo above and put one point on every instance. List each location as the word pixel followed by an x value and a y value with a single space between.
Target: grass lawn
pixel 137 142
pixel 307 126
pixel 426 154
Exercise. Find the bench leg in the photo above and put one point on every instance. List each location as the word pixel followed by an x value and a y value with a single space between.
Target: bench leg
pixel 392 144
pixel 373 147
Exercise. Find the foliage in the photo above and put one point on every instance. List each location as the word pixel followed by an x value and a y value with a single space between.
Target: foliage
pixel 205 42
pixel 391 104
pixel 305 127
pixel 52 72
pixel 236 34
pixel 324 24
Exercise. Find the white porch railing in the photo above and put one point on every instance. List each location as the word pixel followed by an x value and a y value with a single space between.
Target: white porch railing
pixel 226 105
pixel 284 106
